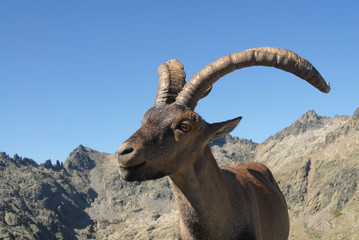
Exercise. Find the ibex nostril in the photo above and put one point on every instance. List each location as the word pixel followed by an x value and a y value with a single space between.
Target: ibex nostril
pixel 126 151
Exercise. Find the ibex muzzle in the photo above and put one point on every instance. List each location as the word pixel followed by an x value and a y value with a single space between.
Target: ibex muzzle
pixel 241 201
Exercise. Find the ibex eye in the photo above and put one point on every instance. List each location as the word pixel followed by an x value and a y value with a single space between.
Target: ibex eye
pixel 185 127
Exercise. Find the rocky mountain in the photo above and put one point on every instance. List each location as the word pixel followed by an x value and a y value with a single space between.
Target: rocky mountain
pixel 41 202
pixel 315 161
pixel 318 172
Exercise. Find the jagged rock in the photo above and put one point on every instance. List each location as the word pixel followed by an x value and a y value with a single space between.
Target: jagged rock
pixel 11 219
pixel 308 121
pixel 39 203
pixel 47 164
pixel 356 114
pixel 56 167
pixel 79 160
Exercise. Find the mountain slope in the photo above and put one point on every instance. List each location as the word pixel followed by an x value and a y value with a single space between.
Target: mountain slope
pixel 326 183
pixel 40 202
pixel 315 161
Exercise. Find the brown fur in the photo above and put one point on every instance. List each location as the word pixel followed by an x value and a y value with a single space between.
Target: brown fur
pixel 241 201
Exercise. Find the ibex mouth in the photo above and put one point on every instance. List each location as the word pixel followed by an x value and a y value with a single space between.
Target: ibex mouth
pixel 130 168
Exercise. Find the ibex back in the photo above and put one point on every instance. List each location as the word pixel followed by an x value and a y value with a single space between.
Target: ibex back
pixel 241 201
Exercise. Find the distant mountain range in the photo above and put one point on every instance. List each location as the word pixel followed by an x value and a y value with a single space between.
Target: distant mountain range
pixel 315 161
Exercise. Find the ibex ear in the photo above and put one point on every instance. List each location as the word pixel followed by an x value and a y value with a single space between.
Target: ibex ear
pixel 217 130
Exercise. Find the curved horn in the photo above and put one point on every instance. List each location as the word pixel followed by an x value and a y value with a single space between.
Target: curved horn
pixel 202 82
pixel 171 81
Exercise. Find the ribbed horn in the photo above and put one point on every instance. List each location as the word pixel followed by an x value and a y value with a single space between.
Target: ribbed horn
pixel 283 59
pixel 171 81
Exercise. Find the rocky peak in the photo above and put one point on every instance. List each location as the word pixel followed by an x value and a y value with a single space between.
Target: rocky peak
pixel 5 160
pixel 230 140
pixel 308 121
pixel 223 140
pixel 310 116
pixel 3 155
pixel 79 159
pixel 356 115
pixel 56 167
pixel 81 148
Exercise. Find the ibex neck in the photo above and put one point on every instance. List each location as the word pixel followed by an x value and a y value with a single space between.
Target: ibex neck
pixel 201 197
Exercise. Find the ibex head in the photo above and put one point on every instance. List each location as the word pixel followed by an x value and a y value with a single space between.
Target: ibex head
pixel 172 134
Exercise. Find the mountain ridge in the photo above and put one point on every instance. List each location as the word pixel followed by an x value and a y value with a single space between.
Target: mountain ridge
pixel 314 161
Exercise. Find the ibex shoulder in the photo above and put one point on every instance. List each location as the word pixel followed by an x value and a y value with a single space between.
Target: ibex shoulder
pixel 253 172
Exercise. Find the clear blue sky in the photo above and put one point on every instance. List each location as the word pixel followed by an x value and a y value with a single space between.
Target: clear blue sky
pixel 84 72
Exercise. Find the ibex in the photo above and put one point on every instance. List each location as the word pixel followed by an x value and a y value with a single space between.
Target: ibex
pixel 241 201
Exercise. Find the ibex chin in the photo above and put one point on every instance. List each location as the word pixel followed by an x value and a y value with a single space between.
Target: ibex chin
pixel 241 201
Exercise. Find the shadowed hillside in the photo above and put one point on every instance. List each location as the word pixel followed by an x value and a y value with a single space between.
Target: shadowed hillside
pixel 315 160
